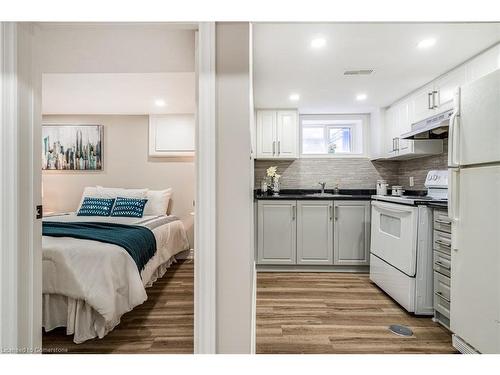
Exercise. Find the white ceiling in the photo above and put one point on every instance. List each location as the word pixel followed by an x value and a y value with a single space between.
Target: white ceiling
pixel 123 93
pixel 284 62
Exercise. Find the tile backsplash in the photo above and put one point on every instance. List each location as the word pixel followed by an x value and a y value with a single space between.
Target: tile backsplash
pixel 347 173
pixel 350 173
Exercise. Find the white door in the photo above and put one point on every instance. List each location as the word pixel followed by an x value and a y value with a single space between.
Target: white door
pixel 394 235
pixel 287 134
pixel 446 87
pixel 479 122
pixel 266 134
pixel 422 103
pixel 351 233
pixel 276 232
pixel 314 232
pixel 475 258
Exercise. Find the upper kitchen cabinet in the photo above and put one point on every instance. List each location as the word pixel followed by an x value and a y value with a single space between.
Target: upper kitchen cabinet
pixel 422 104
pixel 398 121
pixel 277 134
pixel 483 64
pixel 438 96
pixel 445 88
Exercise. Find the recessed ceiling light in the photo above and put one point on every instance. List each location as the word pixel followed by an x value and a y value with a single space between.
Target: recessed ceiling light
pixel 426 43
pixel 294 97
pixel 361 97
pixel 160 103
pixel 318 42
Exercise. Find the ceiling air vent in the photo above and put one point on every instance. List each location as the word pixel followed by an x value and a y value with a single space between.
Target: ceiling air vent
pixel 361 72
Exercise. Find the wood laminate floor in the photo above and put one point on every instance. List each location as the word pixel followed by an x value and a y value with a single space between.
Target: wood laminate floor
pixel 337 313
pixel 162 324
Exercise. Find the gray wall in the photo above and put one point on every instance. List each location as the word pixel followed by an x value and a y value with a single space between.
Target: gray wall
pixel 126 164
pixel 234 190
pixel 350 173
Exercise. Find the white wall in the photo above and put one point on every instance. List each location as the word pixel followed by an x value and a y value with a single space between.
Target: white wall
pixel 126 164
pixel 114 48
pixel 234 193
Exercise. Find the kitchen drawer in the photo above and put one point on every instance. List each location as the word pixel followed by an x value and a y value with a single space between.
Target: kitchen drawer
pixel 442 306
pixel 442 286
pixel 442 263
pixel 441 221
pixel 442 242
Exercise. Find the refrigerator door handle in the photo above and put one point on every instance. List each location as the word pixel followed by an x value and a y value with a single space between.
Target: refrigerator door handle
pixel 453 179
pixel 453 145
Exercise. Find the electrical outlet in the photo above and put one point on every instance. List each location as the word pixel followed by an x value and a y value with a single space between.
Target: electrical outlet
pixel 412 182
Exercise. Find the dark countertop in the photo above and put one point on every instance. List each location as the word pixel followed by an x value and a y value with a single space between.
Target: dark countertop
pixel 345 194
pixel 303 194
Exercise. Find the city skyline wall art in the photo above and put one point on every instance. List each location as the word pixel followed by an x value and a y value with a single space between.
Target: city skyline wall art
pixel 68 147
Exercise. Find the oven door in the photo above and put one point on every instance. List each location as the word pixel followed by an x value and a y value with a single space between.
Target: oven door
pixel 394 235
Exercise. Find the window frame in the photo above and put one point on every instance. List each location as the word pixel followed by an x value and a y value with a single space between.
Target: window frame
pixel 358 123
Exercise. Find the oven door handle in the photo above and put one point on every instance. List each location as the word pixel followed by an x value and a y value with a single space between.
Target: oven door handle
pixel 390 209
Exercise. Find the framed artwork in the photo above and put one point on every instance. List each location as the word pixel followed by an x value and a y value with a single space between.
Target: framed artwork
pixel 68 147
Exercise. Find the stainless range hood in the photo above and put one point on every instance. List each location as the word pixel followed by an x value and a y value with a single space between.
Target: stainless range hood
pixel 435 127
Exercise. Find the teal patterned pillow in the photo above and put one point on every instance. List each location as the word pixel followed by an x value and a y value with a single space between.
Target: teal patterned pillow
pixel 96 207
pixel 129 207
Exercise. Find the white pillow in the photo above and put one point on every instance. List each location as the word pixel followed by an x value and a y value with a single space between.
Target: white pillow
pixel 104 192
pixel 88 191
pixel 158 201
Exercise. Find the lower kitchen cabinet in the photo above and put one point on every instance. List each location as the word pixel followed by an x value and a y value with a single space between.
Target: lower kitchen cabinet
pixel 277 232
pixel 314 232
pixel 351 236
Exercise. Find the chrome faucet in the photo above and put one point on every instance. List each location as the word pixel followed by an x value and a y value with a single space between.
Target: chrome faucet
pixel 336 189
pixel 323 184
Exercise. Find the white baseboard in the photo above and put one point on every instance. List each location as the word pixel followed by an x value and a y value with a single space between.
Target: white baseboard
pixel 186 254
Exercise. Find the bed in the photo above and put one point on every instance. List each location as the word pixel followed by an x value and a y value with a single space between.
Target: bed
pixel 88 285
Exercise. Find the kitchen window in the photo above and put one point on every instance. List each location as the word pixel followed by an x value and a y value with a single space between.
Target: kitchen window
pixel 332 135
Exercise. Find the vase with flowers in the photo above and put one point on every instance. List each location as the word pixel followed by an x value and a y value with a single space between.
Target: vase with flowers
pixel 274 179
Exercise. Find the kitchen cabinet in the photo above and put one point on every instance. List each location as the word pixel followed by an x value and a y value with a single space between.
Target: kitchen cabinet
pixel 483 64
pixel 422 102
pixel 446 86
pixel 351 233
pixel 277 229
pixel 314 232
pixel 277 134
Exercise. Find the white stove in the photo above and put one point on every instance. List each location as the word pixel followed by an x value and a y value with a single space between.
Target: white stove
pixel 401 245
pixel 437 191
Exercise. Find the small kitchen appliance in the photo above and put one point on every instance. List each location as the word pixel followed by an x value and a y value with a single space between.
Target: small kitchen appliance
pixel 382 187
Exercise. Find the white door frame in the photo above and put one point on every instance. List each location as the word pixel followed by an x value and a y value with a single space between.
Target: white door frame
pixel 205 208
pixel 20 233
pixel 20 193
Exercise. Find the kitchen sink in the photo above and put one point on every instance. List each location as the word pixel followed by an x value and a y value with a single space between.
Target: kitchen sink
pixel 327 195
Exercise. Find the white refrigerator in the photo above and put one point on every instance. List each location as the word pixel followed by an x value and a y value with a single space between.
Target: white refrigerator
pixel 474 207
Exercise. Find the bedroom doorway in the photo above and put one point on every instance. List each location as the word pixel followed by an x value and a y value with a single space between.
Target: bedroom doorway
pixel 78 90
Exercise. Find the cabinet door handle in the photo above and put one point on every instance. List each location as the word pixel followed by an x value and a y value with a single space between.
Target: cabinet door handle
pixel 279 147
pixel 293 212
pixel 446 267
pixel 442 296
pixel 447 222
pixel 434 95
pixel 274 144
pixel 330 208
pixel 429 100
pixel 440 242
pixel 336 213
pixel 397 143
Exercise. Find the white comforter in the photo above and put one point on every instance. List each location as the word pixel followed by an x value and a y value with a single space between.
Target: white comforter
pixel 105 275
